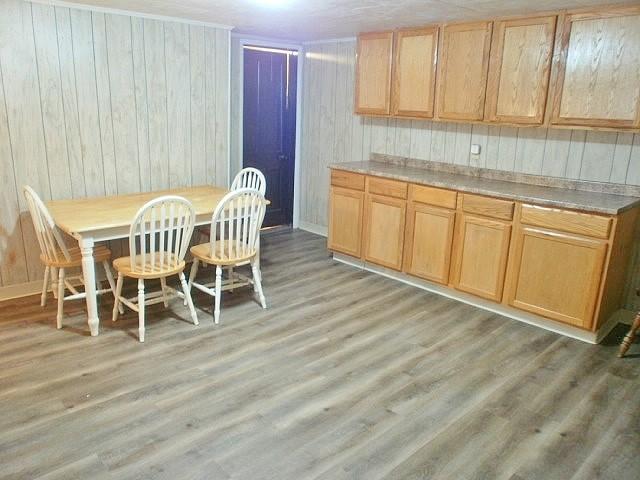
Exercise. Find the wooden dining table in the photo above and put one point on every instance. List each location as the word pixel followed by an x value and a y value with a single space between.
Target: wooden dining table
pixel 98 219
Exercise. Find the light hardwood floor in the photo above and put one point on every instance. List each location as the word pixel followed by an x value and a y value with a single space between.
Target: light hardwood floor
pixel 347 375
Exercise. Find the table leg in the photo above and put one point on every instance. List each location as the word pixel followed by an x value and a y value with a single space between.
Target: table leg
pixel 257 261
pixel 89 274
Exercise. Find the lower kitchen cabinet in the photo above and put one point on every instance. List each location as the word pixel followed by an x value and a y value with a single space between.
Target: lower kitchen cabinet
pixel 428 242
pixel 346 213
pixel 556 274
pixel 384 230
pixel 568 266
pixel 482 249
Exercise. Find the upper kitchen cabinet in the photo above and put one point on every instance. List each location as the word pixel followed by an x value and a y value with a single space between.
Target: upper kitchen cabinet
pixel 518 83
pixel 599 69
pixel 464 65
pixel 414 72
pixel 373 73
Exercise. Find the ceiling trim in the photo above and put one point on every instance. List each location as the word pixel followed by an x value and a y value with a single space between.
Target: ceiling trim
pixel 266 41
pixel 130 13
pixel 331 40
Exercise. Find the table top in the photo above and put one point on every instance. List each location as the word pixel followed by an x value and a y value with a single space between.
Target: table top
pixel 99 213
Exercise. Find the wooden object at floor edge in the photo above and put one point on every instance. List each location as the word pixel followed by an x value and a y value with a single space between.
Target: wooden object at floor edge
pixel 629 337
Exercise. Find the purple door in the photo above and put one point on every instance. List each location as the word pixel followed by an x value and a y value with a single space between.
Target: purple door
pixel 269 130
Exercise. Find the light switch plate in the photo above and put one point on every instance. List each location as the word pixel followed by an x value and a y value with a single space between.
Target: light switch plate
pixel 475 149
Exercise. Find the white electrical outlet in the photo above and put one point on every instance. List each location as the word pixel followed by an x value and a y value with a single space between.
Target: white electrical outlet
pixel 475 149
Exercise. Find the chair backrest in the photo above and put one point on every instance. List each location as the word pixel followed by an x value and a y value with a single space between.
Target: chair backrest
pixel 49 237
pixel 236 223
pixel 250 178
pixel 160 234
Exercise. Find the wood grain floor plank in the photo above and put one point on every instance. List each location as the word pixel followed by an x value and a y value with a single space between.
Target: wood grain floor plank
pixel 346 375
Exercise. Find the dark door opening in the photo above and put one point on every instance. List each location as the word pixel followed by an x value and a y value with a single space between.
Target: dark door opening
pixel 269 125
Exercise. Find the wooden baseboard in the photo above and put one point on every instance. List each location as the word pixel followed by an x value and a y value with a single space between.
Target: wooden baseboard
pixel 621 316
pixel 313 228
pixel 20 290
pixel 34 288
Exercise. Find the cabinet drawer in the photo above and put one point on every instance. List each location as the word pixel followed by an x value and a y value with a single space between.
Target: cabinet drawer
pixel 566 221
pixel 489 207
pixel 340 178
pixel 433 196
pixel 388 188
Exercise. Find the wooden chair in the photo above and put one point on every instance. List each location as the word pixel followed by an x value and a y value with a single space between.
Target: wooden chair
pixel 250 178
pixel 235 227
pixel 246 178
pixel 629 337
pixel 56 256
pixel 158 241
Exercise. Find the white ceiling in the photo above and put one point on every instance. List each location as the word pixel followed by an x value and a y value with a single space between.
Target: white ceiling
pixel 323 19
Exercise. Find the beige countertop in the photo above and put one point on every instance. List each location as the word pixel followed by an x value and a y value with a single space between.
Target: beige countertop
pixel 552 196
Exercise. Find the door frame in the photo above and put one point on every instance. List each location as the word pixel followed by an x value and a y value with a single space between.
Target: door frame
pixel 235 164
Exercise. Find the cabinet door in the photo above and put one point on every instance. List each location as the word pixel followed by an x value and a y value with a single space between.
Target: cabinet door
pixel 556 275
pixel 464 64
pixel 373 73
pixel 482 248
pixel 346 211
pixel 384 230
pixel 519 70
pixel 414 72
pixel 599 69
pixel 428 242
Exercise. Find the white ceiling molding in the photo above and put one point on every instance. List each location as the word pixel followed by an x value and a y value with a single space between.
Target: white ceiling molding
pixel 331 40
pixel 130 13
pixel 266 41
pixel 311 20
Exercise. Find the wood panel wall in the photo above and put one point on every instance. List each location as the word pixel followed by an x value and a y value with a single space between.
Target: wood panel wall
pixel 331 133
pixel 94 104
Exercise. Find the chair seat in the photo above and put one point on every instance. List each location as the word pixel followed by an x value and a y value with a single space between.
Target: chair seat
pixel 228 257
pixel 100 254
pixel 149 271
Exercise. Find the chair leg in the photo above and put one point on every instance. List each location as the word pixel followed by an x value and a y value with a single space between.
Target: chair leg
pixel 230 270
pixel 192 276
pixel 117 307
pixel 163 285
pixel 216 309
pixel 629 337
pixel 141 309
pixel 112 284
pixel 45 285
pixel 54 281
pixel 257 283
pixel 60 297
pixel 187 296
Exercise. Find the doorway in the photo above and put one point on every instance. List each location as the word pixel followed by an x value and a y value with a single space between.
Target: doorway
pixel 269 124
